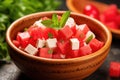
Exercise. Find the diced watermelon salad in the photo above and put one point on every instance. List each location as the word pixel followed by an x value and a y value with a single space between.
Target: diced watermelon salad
pixel 59 37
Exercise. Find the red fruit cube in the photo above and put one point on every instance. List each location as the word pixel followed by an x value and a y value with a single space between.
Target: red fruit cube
pixel 65 33
pixel 83 27
pixel 112 25
pixel 64 46
pixel 117 20
pixel 91 11
pixel 23 38
pixel 85 50
pixel 74 30
pixel 45 52
pixel 114 69
pixel 95 44
pixel 72 54
pixel 56 53
pixel 49 33
pixel 111 12
pixel 16 43
pixel 35 32
pixel 80 35
pixel 32 42
pixel 102 18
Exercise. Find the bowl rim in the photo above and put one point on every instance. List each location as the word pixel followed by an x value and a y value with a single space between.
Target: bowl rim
pixel 83 58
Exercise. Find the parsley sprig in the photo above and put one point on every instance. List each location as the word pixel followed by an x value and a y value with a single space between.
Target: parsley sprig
pixel 54 22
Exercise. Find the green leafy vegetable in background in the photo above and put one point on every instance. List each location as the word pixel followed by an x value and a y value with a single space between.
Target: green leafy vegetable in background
pixel 10 10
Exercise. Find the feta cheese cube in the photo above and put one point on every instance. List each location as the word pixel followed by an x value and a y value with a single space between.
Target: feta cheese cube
pixel 70 22
pixel 89 36
pixel 24 35
pixel 39 24
pixel 81 27
pixel 89 33
pixel 40 43
pixel 51 43
pixel 31 49
pixel 74 43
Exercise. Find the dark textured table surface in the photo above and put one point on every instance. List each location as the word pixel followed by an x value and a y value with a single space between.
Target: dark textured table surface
pixel 11 72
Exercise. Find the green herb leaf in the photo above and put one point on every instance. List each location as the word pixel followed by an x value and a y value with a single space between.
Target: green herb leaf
pixel 89 39
pixel 64 18
pixel 47 23
pixel 50 51
pixel 55 20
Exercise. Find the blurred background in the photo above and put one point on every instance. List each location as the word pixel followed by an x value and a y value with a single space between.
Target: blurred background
pixel 117 2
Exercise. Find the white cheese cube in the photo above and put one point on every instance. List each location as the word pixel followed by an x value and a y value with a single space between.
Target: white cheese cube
pixel 74 43
pixel 31 49
pixel 24 35
pixel 39 24
pixel 51 43
pixel 89 33
pixel 70 22
pixel 40 43
pixel 81 27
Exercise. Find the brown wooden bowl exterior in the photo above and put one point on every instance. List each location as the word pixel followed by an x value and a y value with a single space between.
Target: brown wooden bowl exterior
pixel 78 6
pixel 58 69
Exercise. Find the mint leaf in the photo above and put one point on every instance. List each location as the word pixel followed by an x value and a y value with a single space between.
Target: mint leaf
pixel 89 39
pixel 64 18
pixel 55 20
pixel 47 23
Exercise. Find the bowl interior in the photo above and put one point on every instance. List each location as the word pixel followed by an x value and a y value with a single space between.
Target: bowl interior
pixel 98 28
pixel 78 5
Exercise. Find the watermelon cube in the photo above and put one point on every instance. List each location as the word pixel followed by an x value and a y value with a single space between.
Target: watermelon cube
pixel 95 44
pixel 83 27
pixel 114 69
pixel 112 25
pixel 65 33
pixel 117 20
pixel 80 35
pixel 85 50
pixel 16 43
pixel 45 52
pixel 72 54
pixel 23 38
pixel 64 46
pixel 111 12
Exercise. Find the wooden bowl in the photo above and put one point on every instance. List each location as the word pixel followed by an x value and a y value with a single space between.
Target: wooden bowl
pixel 58 69
pixel 78 5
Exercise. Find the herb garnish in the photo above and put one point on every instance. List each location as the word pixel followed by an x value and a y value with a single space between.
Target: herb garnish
pixel 54 22
pixel 89 39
